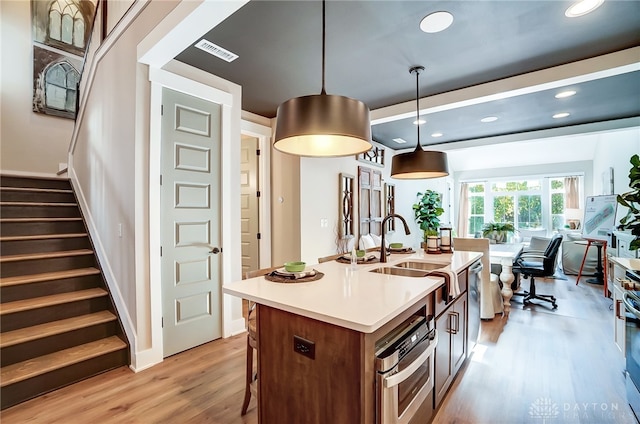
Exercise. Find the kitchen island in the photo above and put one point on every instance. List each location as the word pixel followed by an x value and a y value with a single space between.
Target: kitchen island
pixel 317 340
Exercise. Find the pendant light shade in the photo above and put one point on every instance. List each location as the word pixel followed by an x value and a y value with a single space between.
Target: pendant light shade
pixel 323 125
pixel 419 164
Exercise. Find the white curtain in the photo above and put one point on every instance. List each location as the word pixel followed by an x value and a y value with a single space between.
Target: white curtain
pixel 571 193
pixel 463 211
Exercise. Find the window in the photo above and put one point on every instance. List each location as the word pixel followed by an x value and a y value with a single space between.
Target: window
pixel 66 23
pixel 61 81
pixel 527 203
pixel 557 203
pixel 476 205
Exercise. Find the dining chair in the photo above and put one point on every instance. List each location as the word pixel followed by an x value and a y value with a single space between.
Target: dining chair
pixel 491 301
pixel 251 377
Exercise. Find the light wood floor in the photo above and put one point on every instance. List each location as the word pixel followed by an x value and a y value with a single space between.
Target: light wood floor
pixel 535 366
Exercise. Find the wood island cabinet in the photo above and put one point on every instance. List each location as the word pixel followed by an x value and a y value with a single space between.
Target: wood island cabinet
pixel 317 341
pixel 329 379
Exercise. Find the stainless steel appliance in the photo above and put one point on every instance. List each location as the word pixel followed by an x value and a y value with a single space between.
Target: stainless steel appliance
pixel 474 305
pixel 631 301
pixel 404 372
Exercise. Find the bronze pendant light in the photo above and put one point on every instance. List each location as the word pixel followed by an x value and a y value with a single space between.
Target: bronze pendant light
pixel 323 125
pixel 419 164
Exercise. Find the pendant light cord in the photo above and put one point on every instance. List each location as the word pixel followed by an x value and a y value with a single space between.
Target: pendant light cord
pixel 417 70
pixel 323 42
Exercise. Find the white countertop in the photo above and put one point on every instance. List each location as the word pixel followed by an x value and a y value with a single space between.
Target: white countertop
pixel 351 298
pixel 628 263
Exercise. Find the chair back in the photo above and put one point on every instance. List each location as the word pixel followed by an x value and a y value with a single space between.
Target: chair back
pixel 260 272
pixel 551 253
pixel 476 245
pixel 330 257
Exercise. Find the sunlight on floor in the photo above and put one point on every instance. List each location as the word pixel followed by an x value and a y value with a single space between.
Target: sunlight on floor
pixel 478 353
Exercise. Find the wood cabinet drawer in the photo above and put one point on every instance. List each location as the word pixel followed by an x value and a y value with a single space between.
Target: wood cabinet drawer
pixel 440 300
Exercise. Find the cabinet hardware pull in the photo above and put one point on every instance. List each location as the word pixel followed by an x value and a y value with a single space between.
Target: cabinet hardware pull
pixel 454 322
pixel 618 314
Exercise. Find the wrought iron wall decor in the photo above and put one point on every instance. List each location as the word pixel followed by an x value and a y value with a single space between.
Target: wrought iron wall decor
pixel 347 186
pixel 390 205
pixel 374 156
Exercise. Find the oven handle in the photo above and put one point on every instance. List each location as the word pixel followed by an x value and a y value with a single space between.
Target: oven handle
pixel 401 376
pixel 628 305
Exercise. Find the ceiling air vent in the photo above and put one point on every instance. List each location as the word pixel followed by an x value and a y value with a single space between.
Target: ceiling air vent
pixel 216 50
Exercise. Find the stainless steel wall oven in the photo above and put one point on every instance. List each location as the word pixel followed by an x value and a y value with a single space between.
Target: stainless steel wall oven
pixel 405 372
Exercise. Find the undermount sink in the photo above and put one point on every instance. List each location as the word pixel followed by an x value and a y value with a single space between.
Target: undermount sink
pixel 402 272
pixel 420 265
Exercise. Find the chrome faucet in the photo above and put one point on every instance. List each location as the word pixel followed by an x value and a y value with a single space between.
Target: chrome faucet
pixel 383 248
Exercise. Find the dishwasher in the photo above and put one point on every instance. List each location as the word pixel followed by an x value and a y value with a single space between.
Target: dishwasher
pixel 474 305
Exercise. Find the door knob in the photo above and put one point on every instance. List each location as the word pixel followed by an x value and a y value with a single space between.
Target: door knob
pixel 216 250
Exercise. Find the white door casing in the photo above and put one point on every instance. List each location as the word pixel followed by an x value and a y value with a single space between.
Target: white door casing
pixel 190 221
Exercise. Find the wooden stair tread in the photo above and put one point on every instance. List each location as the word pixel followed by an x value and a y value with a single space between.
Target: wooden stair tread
pixel 45 255
pixel 37 366
pixel 54 299
pixel 27 220
pixel 33 177
pixel 35 332
pixel 38 204
pixel 37 190
pixel 47 276
pixel 43 237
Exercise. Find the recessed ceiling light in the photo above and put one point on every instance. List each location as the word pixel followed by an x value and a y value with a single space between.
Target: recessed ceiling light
pixel 419 122
pixel 437 134
pixel 489 119
pixel 561 115
pixel 564 94
pixel 436 22
pixel 582 8
pixel 400 140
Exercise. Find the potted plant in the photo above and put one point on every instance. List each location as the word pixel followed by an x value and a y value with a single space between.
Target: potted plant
pixel 631 200
pixel 426 212
pixel 497 231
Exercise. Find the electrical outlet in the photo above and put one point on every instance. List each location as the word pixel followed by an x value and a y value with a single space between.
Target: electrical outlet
pixel 119 230
pixel 304 347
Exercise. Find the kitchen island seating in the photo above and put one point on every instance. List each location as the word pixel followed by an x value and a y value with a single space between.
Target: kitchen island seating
pixel 491 302
pixel 538 264
pixel 252 343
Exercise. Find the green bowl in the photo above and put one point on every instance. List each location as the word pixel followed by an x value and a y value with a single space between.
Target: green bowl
pixel 295 266
pixel 395 245
pixel 360 253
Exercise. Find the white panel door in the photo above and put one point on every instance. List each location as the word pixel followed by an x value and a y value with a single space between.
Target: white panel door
pixel 191 287
pixel 249 217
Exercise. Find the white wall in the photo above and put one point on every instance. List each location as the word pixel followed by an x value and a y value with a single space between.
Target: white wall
pixel 30 142
pixel 319 199
pixel 613 150
pixel 319 185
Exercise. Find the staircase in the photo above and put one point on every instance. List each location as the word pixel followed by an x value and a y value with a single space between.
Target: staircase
pixel 57 321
